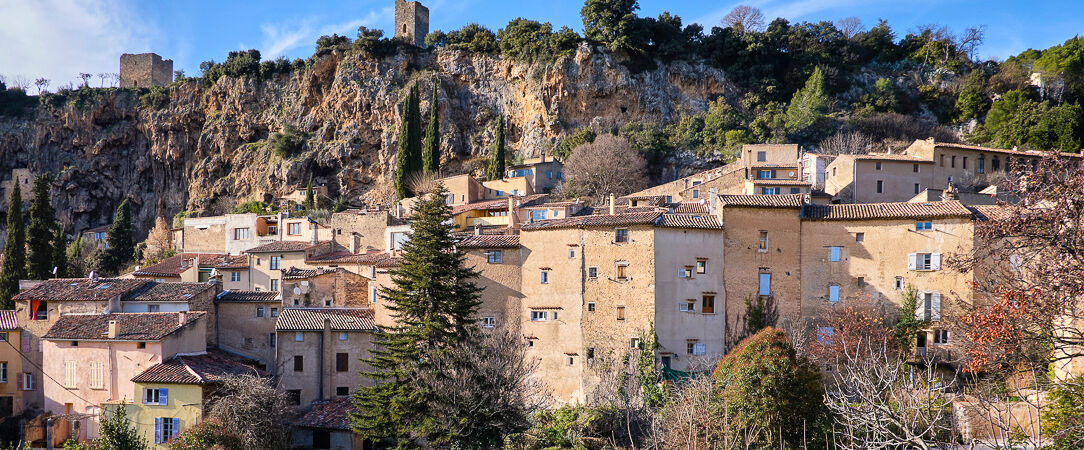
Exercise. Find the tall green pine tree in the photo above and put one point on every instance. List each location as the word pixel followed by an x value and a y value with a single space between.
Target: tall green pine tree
pixel 39 232
pixel 60 252
pixel 434 303
pixel 807 115
pixel 121 248
pixel 14 267
pixel 495 169
pixel 409 159
pixel 431 152
pixel 310 197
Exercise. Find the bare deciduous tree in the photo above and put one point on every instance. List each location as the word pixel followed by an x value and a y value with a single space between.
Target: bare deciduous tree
pixel 102 77
pixel 607 165
pixel 849 26
pixel 847 143
pixel 251 408
pixel 971 39
pixel 158 241
pixel 86 78
pixel 41 84
pixel 744 18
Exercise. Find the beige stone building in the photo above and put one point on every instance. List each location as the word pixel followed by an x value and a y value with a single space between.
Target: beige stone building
pixel 594 286
pixel 319 351
pixel 497 258
pixel 358 230
pixel 877 177
pixel 246 324
pixel 543 173
pixel 324 288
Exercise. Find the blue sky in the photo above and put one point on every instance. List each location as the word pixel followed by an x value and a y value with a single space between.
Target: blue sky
pixel 60 38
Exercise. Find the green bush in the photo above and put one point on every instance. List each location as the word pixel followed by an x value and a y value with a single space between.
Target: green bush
pixel 473 38
pixel 287 143
pixel 1063 419
pixel 254 207
pixel 155 97
pixel 531 41
pixel 571 141
pixel 565 427
pixel 326 44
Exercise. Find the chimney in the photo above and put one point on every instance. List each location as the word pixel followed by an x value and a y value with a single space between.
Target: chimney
pixel 612 203
pixel 112 333
pixel 478 229
pixel 542 157
pixel 182 317
pixel 713 201
pixel 950 193
pixel 315 232
pixel 355 241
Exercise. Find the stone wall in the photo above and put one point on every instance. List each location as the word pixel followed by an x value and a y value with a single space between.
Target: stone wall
pixel 145 70
pixel 241 323
pixel 411 21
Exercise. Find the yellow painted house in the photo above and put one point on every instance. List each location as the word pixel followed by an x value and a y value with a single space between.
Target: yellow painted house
pixel 172 396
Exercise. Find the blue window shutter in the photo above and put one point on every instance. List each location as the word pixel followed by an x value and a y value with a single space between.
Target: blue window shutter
pixel 157 430
pixel 176 427
pixel 163 396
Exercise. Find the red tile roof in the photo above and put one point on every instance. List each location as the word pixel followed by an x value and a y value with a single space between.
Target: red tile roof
pixel 328 415
pixel 526 200
pixel 248 296
pixel 153 291
pixel 130 326
pixel 596 220
pixel 990 212
pixel 391 261
pixel 8 320
pixel 347 258
pixel 207 368
pixel 312 319
pixel 705 222
pixel 903 210
pixel 80 289
pixel 1032 153
pixel 490 241
pixel 762 201
pixel 892 157
pixel 284 246
pixel 175 265
pixel 690 208
pixel 782 182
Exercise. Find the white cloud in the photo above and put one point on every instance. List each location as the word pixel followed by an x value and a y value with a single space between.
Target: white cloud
pixel 57 39
pixel 278 39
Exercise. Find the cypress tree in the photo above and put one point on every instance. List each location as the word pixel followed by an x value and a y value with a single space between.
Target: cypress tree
pixel 402 160
pixel 310 198
pixel 431 152
pixel 39 232
pixel 60 252
pixel 119 239
pixel 433 302
pixel 495 169
pixel 14 267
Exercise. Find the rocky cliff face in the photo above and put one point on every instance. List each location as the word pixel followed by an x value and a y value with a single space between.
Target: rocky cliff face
pixel 207 150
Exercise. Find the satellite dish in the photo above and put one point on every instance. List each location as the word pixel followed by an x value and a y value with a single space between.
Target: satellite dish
pixel 214 273
pixel 297 291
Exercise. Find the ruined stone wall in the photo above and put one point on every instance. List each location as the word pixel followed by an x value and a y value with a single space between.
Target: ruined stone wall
pixel 411 21
pixel 145 70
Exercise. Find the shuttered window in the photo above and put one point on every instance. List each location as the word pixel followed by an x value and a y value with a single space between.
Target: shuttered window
pixel 97 375
pixel 69 374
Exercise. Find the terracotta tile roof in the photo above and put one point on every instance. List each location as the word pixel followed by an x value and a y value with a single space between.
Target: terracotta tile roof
pixel 80 289
pixel 990 212
pixel 202 369
pixel 762 201
pixel 347 257
pixel 706 222
pixel 328 415
pixel 597 220
pixel 1033 153
pixel 655 199
pixel 312 319
pixel 490 241
pixel 248 296
pixel 903 210
pixel 284 246
pixel 8 320
pixel 782 182
pixel 153 291
pixel 391 261
pixel 690 208
pixel 177 264
pixel 892 157
pixel 130 326
pixel 757 165
pixel 526 200
pixel 293 273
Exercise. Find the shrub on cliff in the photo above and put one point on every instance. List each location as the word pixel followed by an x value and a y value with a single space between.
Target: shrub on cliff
pixel 155 97
pixel 473 38
pixel 766 391
pixel 286 143
pixel 531 41
pixel 326 44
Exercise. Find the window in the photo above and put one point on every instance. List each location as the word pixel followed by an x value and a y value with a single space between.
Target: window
pixel 861 282
pixel 4 337
pixel 271 339
pixel 634 343
pixel 918 189
pixel 687 306
pixel 880 186
pixel 299 363
pixel 592 272
pixel 914 168
pixel 766 174
pixel 707 304
pixel 622 271
pixel 940 336
pixel 769 191
pixel 860 237
pixel 765 284
pixel 235 276
pixel 69 374
pixel 293 228
pixel 165 428
pixel 591 306
pixel 294 395
pixel 571 360
pixel 299 336
pixel 342 391
pixel 342 362
pixel 240 234
pixel 343 336
pixel 899 283
pixel 694 347
pixel 824 334
pixel 762 156
pixel 544 277
pixel 921 261
pixel 835 254
pixel 571 253
pixel 489 322
pixel 942 160
pixel 964 163
pixel 981 168
pixel 621 235
pixel 620 313
pixel 259 311
pixel 274 312
pixel 3 372
pixel 952 163
pixel 155 396
pixel 701 266
pixel 590 352
pixel 696 193
pixel 930 309
pixel 763 241
pixel 27 381
pixel 273 262
pixel 878 165
pixel 495 256
pixel 39 310
pixel 154 308
pixel 833 293
pixel 685 272
pixel 920 226
pixel 795 190
pixel 538 316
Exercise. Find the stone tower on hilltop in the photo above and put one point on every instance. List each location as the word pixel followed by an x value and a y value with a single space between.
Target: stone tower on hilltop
pixel 145 70
pixel 411 21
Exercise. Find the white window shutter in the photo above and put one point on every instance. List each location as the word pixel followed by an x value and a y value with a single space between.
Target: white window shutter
pixel 912 261
pixel 157 430
pixel 935 261
pixel 163 396
pixel 935 306
pixel 920 309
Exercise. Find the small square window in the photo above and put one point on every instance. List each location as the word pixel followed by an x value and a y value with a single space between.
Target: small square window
pixel 763 241
pixel 860 237
pixel 544 277
pixel 591 306
pixel 687 306
pixel 620 313
pixel 835 254
pixel 342 391
pixel 299 336
pixel 634 343
pixel 861 281
pixel 621 235
pixel 495 257
pixel 940 336
pixel 592 272
pixel 833 293
pixel 343 336
pixel 701 266
pixel 622 271
pixel 899 283
pixel 489 322
pixel 571 360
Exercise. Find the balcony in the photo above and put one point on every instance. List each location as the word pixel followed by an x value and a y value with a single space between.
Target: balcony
pixel 489 221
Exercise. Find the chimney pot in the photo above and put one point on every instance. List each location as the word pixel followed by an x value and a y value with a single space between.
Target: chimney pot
pixel 182 318
pixel 612 209
pixel 112 333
